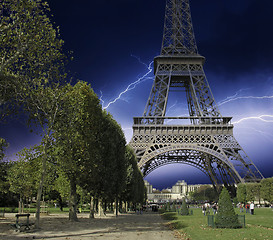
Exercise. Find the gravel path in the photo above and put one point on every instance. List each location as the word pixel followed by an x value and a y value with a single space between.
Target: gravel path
pixel 148 226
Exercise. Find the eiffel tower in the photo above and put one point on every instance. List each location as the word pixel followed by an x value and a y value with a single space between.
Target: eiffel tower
pixel 204 139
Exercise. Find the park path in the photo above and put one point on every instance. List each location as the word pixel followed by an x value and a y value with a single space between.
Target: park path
pixel 146 226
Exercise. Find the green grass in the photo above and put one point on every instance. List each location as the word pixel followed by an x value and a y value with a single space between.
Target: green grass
pixel 258 226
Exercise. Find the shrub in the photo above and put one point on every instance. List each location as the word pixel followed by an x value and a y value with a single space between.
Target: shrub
pixel 226 217
pixel 184 208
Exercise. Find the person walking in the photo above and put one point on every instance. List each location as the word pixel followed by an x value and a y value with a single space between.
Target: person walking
pixel 252 208
pixel 247 208
pixel 241 206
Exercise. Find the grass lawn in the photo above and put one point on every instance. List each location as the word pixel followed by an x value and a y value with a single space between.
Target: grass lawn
pixel 258 226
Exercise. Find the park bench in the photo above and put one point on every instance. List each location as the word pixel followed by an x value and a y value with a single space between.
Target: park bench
pixel 18 225
pixel 44 210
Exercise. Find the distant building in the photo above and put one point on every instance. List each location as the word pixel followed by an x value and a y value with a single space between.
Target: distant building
pixel 178 191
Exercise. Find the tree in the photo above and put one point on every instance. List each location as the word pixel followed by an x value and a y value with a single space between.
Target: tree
pixel 252 191
pixel 241 192
pixel 205 193
pixel 30 50
pixel 184 208
pixel 115 144
pixel 109 177
pixel 75 133
pixel 7 198
pixel 62 186
pixel 135 187
pixel 23 175
pixel 267 189
pixel 31 68
pixel 226 217
pixel 3 146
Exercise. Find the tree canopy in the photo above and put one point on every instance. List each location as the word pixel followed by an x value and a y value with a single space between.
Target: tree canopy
pixel 82 146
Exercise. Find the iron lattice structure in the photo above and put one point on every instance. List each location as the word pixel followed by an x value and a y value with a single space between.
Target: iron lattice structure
pixel 205 138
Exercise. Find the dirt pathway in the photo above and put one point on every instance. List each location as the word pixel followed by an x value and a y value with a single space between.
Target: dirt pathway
pixel 148 226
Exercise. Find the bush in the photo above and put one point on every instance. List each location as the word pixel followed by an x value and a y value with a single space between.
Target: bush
pixel 184 208
pixel 226 217
pixel 167 207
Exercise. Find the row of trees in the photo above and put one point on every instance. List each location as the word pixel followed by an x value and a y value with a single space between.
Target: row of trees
pixel 245 192
pixel 249 192
pixel 204 193
pixel 82 145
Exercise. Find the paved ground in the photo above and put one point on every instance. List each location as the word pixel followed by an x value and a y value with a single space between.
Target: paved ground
pixel 148 226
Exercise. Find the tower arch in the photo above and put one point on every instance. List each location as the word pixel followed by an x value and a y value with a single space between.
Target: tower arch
pixel 205 158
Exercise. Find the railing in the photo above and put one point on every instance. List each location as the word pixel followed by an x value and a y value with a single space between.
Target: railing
pixel 157 120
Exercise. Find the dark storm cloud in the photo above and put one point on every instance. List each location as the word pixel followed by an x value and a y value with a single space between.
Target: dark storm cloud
pixel 235 36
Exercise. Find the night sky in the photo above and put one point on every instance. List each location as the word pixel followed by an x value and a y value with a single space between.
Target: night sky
pixel 114 41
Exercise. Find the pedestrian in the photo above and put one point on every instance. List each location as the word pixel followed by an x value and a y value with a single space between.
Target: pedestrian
pixel 247 208
pixel 252 208
pixel 214 207
pixel 241 206
pixel 204 210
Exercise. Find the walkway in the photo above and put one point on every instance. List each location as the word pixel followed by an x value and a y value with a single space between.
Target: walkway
pixel 148 226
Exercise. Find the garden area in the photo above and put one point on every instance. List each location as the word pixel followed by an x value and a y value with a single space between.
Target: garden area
pixel 258 226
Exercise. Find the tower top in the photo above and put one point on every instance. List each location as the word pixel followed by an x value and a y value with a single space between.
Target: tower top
pixel 178 36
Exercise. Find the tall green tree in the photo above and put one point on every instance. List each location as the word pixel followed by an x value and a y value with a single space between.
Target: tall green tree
pixel 6 197
pixel 205 193
pixel 24 174
pixel 62 186
pixel 241 192
pixel 30 50
pixel 3 146
pixel 43 107
pixel 108 178
pixel 252 191
pixel 267 189
pixel 31 61
pixel 75 134
pixel 135 187
pixel 114 161
pixel 184 208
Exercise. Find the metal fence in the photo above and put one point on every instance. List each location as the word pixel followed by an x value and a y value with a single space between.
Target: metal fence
pixel 242 220
pixel 211 221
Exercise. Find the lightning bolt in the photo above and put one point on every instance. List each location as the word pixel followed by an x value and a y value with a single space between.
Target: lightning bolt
pixel 101 96
pixel 264 118
pixel 230 99
pixel 174 105
pixel 132 85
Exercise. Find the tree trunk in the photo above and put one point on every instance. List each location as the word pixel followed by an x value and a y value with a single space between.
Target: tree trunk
pixel 92 211
pixel 100 208
pixel 116 207
pixel 61 203
pixel 126 206
pixel 73 201
pixel 41 184
pixel 105 207
pixel 20 209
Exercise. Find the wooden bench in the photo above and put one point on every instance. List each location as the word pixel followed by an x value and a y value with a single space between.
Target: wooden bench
pixel 19 225
pixel 44 210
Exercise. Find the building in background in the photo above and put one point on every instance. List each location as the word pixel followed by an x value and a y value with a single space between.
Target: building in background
pixel 178 191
